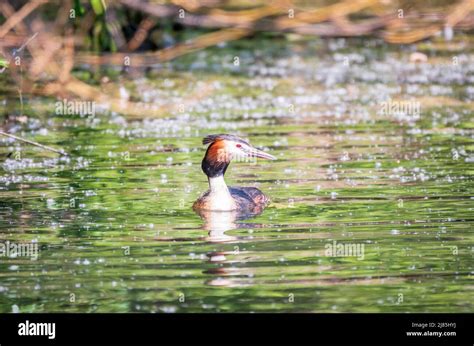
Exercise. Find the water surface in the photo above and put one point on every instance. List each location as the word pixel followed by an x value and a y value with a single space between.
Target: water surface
pixel 114 222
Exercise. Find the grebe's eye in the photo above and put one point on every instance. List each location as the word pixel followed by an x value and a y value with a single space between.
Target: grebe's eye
pixel 238 145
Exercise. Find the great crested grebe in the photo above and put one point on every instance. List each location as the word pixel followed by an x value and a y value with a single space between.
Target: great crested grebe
pixel 221 151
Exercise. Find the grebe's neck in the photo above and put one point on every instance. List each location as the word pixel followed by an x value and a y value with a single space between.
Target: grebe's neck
pixel 217 184
pixel 219 194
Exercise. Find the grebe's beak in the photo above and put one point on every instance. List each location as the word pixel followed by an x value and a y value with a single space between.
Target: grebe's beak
pixel 261 154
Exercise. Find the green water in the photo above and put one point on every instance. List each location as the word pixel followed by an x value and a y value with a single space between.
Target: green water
pixel 114 224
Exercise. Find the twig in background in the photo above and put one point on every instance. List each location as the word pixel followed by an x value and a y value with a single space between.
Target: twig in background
pixel 61 151
pixel 140 35
pixel 18 16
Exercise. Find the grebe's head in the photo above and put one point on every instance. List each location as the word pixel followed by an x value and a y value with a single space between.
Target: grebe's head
pixel 223 149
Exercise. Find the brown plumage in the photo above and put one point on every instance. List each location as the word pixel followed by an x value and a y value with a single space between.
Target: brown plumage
pixel 247 199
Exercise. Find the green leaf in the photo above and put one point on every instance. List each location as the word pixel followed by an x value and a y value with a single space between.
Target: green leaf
pixel 97 7
pixel 80 10
pixel 3 63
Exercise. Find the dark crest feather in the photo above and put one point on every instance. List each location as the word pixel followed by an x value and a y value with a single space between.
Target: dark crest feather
pixel 213 138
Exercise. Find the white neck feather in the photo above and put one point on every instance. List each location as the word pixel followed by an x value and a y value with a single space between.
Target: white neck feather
pixel 221 199
pixel 217 184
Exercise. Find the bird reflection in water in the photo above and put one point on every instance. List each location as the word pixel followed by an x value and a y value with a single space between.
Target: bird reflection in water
pixel 217 223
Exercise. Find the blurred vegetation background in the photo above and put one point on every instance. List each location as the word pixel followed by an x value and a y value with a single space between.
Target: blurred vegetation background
pixel 43 43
